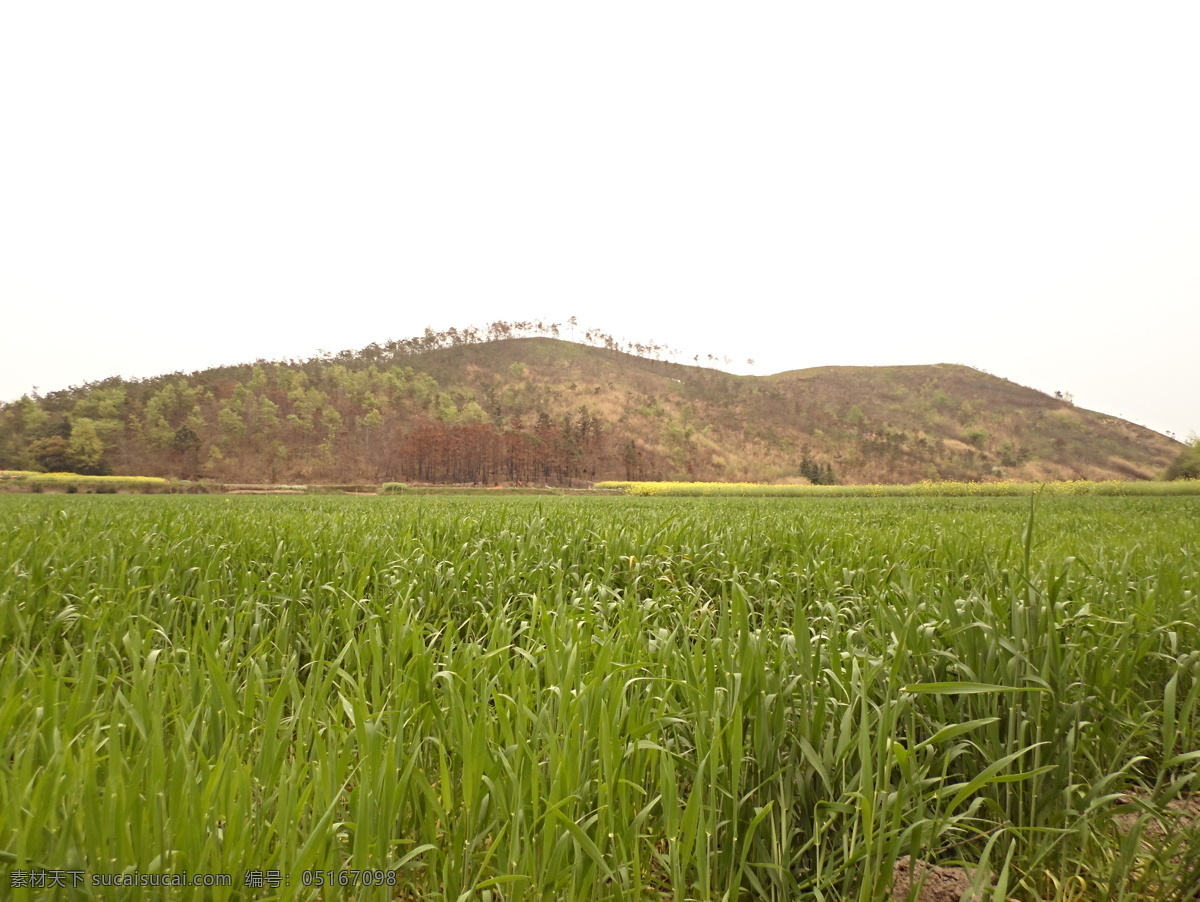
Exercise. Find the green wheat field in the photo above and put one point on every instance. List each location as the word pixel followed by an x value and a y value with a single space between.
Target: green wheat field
pixel 600 698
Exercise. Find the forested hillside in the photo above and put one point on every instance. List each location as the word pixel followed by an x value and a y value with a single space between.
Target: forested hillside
pixel 490 406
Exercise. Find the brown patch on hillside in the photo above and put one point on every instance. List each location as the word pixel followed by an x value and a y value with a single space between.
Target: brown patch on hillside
pixel 1128 470
pixel 1045 471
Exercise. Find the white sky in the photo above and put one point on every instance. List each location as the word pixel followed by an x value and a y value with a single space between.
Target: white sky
pixel 1011 186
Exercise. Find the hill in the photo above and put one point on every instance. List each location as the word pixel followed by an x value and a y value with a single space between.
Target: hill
pixel 461 407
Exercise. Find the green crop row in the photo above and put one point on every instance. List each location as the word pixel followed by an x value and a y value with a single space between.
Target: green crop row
pixel 601 698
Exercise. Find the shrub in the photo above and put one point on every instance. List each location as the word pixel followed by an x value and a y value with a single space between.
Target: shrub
pixel 1187 464
pixel 393 488
pixel 51 453
pixel 977 437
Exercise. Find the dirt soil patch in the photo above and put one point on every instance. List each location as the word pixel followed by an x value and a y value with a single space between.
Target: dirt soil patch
pixel 1182 814
pixel 938 884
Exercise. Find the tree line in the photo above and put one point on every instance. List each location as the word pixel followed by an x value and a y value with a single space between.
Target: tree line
pixel 281 423
pixel 371 414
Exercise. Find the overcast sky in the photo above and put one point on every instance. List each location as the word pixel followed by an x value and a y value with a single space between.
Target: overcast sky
pixel 1011 186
